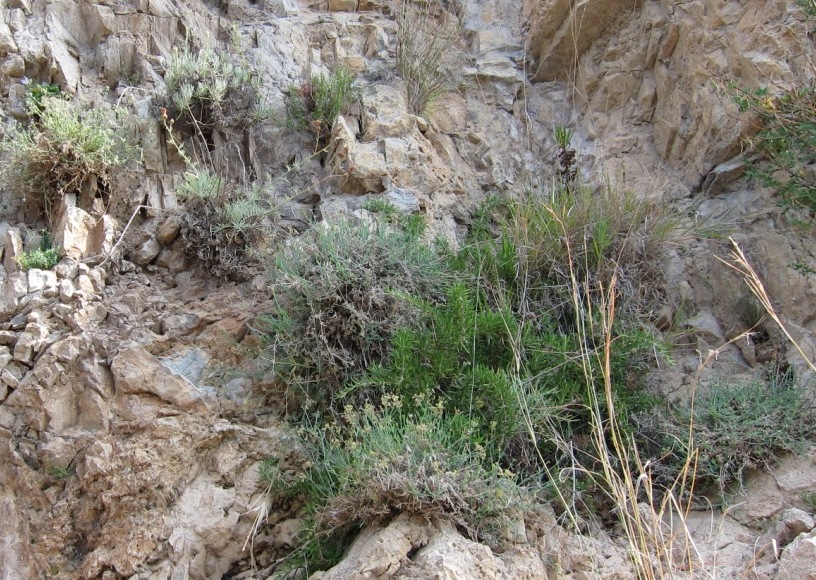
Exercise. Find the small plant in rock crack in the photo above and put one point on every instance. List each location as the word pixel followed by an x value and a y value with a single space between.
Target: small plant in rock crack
pixel 566 156
pixel 59 473
pixel 738 428
pixel 316 103
pixel 45 257
pixel 429 54
pixel 209 90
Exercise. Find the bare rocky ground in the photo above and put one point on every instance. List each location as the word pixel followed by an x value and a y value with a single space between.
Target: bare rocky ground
pixel 132 417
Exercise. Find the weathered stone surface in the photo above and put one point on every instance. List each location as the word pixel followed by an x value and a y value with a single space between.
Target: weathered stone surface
pixel 44 281
pixel 66 290
pixel 379 552
pixel 169 230
pixel 174 259
pixel 145 253
pixel 137 372
pixel 30 342
pixel 385 113
pixel 73 230
pixel 563 31
pixel 448 555
pixel 66 269
pixel 12 249
pixel 84 284
pixel 790 524
pixel 403 199
pixel 342 5
pixel 5 357
pixel 97 277
pixel 15 544
pixel 798 558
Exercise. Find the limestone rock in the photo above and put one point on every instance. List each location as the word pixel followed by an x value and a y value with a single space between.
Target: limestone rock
pixel 44 281
pixel 13 248
pixel 798 558
pixel 5 357
pixel 137 374
pixel 15 544
pixel 342 5
pixel 449 556
pixel 562 31
pixel 169 230
pixel 379 552
pixel 145 253
pixel 73 230
pixel 30 342
pixel 403 199
pixel 385 113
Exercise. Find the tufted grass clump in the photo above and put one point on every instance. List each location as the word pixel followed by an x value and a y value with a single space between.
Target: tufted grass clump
pixel 66 146
pixel 785 142
pixel 379 461
pixel 316 103
pixel 429 55
pixel 736 429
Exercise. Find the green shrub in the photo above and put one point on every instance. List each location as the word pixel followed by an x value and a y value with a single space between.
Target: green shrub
pixel 785 142
pixel 36 94
pixel 423 375
pixel 224 223
pixel 65 147
pixel 43 258
pixel 316 104
pixel 429 57
pixel 339 293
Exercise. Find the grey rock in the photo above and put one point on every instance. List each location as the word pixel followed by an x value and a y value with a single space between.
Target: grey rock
pixel 145 253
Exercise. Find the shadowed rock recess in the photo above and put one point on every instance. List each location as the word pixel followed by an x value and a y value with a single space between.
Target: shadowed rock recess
pixel 140 405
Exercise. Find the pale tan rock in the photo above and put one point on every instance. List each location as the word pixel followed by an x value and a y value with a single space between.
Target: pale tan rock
pixel 73 230
pixel 797 561
pixel 137 372
pixel 30 342
pixel 145 253
pixel 16 559
pixel 342 5
pixel 380 552
pixel 385 113
pixel 169 230
pixel 449 556
pixel 13 248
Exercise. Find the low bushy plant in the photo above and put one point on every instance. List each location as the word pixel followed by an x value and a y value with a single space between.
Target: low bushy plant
pixel 44 257
pixel 736 428
pixel 65 147
pixel 224 223
pixel 379 462
pixel 339 293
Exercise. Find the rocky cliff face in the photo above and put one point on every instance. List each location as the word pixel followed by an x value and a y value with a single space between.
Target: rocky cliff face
pixel 127 449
